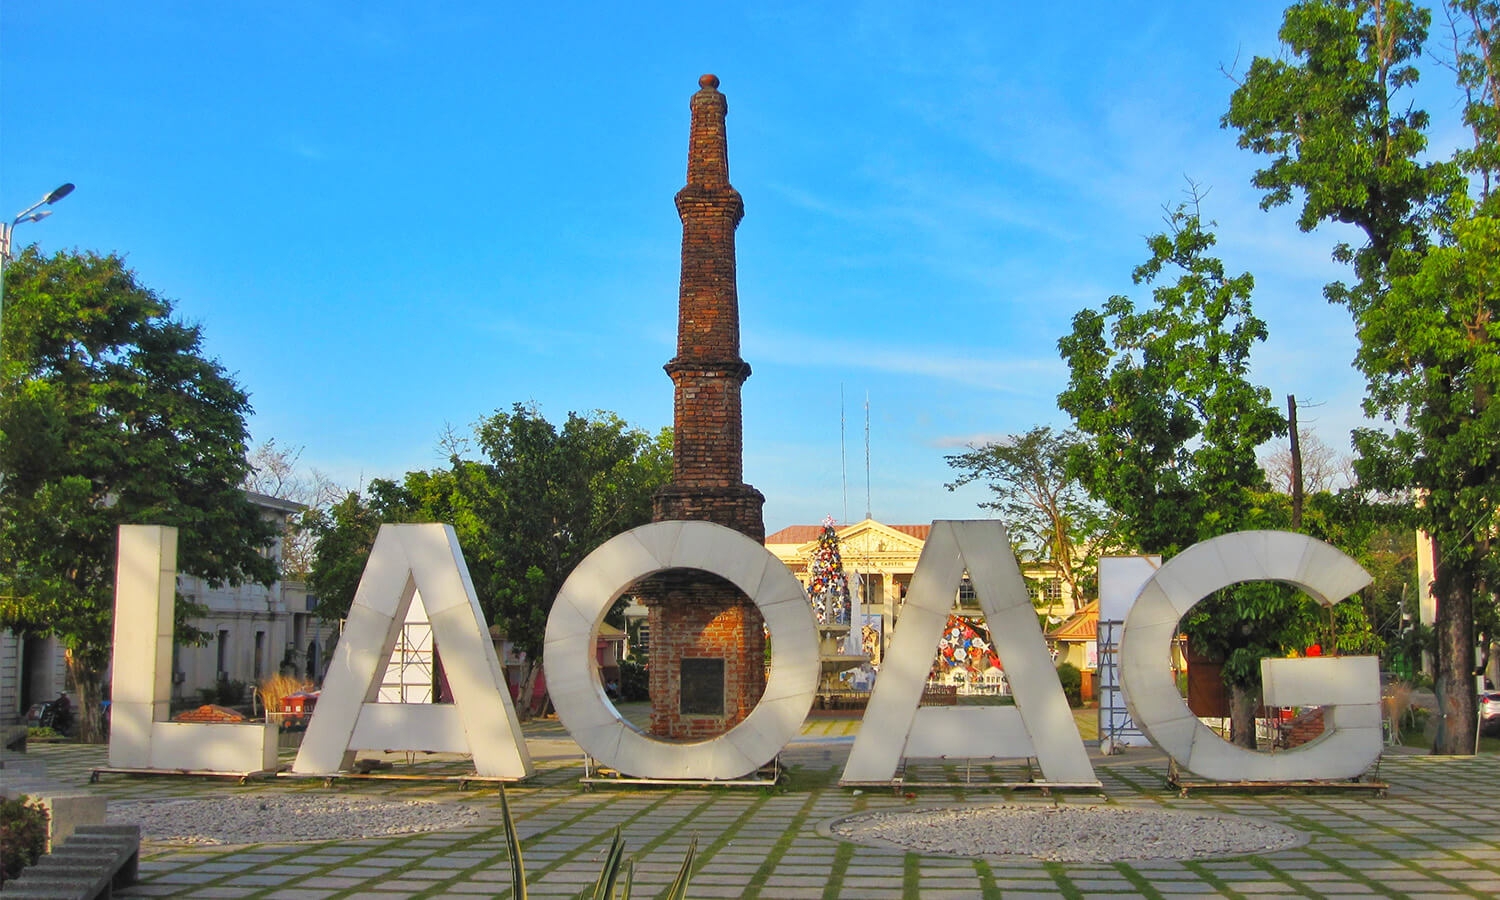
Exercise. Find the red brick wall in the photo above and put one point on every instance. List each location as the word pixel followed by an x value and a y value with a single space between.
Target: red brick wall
pixel 210 714
pixel 704 617
pixel 1305 728
pixel 707 446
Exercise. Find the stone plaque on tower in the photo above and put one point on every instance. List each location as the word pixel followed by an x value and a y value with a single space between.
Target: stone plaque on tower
pixel 707 638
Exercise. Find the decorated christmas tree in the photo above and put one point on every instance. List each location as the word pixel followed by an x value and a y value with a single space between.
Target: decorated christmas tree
pixel 965 645
pixel 827 586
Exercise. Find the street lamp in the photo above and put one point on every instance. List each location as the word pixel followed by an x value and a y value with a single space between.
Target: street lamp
pixel 29 214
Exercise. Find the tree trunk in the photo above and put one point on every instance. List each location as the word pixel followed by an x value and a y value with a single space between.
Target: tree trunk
pixel 1242 703
pixel 1458 705
pixel 87 681
pixel 529 673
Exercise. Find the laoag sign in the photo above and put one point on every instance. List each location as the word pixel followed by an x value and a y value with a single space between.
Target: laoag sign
pixel 408 561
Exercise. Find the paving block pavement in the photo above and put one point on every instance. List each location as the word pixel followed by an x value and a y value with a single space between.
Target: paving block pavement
pixel 1437 834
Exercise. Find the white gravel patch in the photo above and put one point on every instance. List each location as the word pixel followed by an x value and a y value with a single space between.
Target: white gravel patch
pixel 1066 833
pixel 284 818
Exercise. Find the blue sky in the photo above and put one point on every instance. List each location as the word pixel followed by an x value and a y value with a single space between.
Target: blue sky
pixel 391 218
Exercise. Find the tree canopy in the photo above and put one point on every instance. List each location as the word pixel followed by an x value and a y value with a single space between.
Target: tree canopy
pixel 527 509
pixel 1334 119
pixel 110 415
pixel 275 472
pixel 1163 399
pixel 1047 510
pixel 1170 423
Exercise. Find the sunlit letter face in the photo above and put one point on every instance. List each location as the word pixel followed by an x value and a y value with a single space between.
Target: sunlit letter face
pixel 407 561
pixel 1039 725
pixel 572 669
pixel 1350 686
pixel 140 735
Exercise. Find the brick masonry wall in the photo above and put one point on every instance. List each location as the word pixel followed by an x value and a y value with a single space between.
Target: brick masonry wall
pixel 1305 728
pixel 704 617
pixel 708 441
pixel 209 714
pixel 738 507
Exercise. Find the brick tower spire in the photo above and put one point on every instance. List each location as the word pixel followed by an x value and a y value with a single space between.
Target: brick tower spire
pixel 707 638
pixel 707 373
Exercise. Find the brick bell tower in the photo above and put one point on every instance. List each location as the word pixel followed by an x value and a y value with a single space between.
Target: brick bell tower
pixel 707 638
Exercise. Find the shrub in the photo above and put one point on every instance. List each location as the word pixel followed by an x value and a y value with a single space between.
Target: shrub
pixel 229 692
pixel 1415 720
pixel 23 834
pixel 635 682
pixel 1072 683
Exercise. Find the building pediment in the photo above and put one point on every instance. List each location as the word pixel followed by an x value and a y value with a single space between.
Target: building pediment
pixel 874 539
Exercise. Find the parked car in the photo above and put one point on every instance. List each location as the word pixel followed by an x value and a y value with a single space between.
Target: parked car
pixel 1489 711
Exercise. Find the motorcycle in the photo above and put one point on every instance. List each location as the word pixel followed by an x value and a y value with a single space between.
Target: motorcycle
pixel 54 714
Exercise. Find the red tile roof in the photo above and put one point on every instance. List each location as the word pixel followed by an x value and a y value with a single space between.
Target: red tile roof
pixel 795 534
pixel 1081 626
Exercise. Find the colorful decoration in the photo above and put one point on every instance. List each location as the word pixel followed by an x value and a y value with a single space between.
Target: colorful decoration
pixel 827 586
pixel 965 645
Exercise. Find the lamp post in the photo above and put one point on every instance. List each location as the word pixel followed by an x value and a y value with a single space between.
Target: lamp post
pixel 29 214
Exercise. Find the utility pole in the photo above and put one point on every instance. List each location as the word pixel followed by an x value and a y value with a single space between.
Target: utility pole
pixel 1291 415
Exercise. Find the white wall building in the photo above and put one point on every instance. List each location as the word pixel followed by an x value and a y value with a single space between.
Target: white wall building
pixel 254 631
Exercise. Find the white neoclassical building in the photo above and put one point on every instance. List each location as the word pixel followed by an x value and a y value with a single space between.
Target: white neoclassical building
pixel 880 559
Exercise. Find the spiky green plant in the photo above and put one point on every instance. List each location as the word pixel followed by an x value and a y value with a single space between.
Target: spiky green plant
pixel 614 860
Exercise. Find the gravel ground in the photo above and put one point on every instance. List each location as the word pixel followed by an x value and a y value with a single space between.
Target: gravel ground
pixel 284 819
pixel 1067 833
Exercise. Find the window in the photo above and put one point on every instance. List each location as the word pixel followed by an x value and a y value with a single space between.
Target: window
pixel 223 654
pixel 260 655
pixel 1052 591
pixel 967 597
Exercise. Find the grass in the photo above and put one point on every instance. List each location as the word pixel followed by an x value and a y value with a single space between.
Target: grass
pixel 1487 743
pixel 1087 718
pixel 799 779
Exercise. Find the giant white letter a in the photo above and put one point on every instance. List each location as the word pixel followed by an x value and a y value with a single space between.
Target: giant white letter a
pixel 1039 725
pixel 408 560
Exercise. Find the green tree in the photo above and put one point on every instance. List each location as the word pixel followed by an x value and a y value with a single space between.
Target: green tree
pixel 1430 354
pixel 545 497
pixel 110 415
pixel 1170 423
pixel 343 535
pixel 1045 508
pixel 527 510
pixel 1332 117
pixel 1169 417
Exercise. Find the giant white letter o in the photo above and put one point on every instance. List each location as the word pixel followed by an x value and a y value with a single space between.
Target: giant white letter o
pixel 573 625
pixel 1349 687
